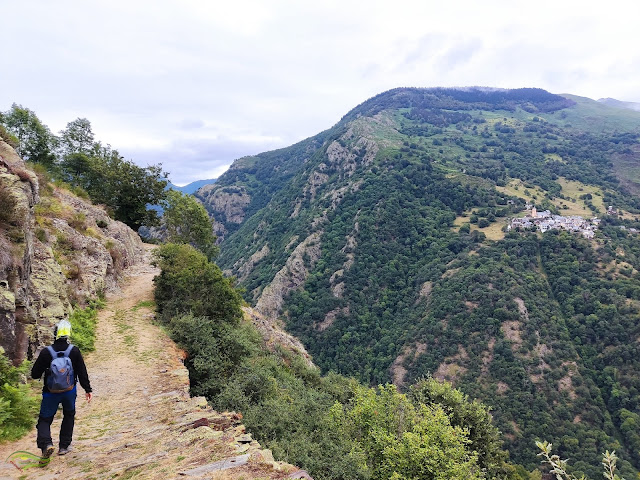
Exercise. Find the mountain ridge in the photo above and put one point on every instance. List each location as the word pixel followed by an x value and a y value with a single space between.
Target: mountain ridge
pixel 381 239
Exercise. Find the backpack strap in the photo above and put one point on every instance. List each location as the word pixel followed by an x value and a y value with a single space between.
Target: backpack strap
pixel 55 354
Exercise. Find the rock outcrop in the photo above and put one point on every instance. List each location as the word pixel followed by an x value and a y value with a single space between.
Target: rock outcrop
pixel 225 204
pixel 56 251
pixel 275 336
pixel 291 277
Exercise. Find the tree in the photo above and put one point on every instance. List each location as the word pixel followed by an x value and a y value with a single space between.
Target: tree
pixel 187 222
pixel 124 187
pixel 484 436
pixel 129 189
pixel 190 283
pixel 395 439
pixel 77 137
pixel 36 143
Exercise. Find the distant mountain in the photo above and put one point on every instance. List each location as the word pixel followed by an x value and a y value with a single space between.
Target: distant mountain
pixel 612 102
pixel 381 243
pixel 193 186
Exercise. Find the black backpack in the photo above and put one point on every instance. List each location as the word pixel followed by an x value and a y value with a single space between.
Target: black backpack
pixel 61 375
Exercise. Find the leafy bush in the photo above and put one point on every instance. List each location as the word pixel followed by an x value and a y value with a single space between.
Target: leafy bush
pixel 190 283
pixel 215 350
pixel 18 407
pixel 83 326
pixel 393 438
pixel 188 222
pixel 559 467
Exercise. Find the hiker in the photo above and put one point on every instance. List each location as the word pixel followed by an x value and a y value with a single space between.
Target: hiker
pixel 63 367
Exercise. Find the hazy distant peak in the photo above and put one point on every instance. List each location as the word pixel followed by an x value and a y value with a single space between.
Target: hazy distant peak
pixel 612 102
pixel 193 186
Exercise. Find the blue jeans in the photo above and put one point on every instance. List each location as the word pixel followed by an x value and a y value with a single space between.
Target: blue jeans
pixel 48 409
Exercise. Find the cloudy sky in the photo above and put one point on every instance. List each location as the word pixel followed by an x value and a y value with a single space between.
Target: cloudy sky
pixel 196 84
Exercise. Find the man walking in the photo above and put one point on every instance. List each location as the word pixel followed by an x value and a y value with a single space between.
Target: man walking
pixel 63 366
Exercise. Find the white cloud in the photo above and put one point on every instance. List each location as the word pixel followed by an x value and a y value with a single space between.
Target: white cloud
pixel 207 82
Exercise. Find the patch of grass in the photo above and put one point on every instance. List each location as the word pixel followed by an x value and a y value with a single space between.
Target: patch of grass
pixel 554 157
pixel 594 116
pixel 41 234
pixel 575 190
pixel 78 221
pixel 517 188
pixel 92 232
pixel 124 328
pixel 72 271
pixel 144 304
pixel 49 207
pixel 493 231
pixel 572 190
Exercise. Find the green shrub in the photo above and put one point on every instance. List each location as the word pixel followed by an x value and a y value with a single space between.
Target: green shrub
pixel 393 438
pixel 216 351
pixel 559 466
pixel 41 234
pixel 188 282
pixel 83 325
pixel 18 408
pixel 8 138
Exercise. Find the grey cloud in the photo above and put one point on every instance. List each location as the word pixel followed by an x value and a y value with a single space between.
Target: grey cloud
pixel 459 54
pixel 189 160
pixel 191 124
pixel 427 47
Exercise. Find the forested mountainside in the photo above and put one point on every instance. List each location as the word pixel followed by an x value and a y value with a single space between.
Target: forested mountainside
pixel 382 244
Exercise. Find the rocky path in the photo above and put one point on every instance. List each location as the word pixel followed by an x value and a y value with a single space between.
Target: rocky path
pixel 142 423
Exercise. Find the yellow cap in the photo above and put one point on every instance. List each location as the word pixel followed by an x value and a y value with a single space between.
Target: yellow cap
pixel 63 329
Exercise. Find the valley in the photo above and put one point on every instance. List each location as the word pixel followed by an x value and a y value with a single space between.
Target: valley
pixel 415 187
pixel 439 233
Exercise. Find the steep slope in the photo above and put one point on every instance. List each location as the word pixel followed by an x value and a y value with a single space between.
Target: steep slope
pixel 381 244
pixel 56 250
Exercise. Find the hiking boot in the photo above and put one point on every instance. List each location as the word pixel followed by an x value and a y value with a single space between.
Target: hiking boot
pixel 64 450
pixel 47 451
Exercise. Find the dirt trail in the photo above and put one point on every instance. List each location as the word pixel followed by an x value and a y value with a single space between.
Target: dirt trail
pixel 141 422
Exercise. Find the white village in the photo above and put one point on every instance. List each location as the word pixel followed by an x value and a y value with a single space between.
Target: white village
pixel 545 220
